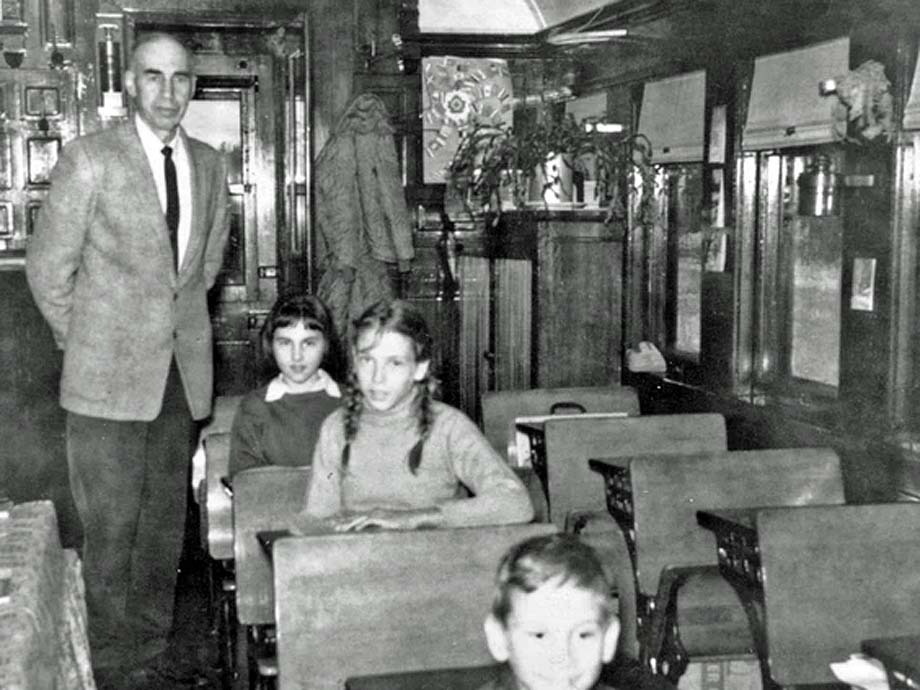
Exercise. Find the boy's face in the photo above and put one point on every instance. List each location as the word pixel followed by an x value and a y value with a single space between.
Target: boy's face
pixel 555 638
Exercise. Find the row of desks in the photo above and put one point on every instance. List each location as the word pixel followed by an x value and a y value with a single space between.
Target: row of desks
pixel 815 576
pixel 623 499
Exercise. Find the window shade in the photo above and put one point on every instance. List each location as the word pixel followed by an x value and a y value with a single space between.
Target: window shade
pixel 785 108
pixel 672 117
pixel 912 109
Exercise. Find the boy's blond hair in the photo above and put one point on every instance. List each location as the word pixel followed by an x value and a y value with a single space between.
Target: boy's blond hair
pixel 529 564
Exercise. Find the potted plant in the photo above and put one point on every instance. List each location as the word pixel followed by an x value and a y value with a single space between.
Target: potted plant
pixel 623 165
pixel 481 164
pixel 549 154
pixel 542 159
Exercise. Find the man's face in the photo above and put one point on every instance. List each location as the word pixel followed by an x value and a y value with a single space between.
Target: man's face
pixel 161 83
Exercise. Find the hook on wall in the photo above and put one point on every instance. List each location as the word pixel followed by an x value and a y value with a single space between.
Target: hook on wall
pixel 56 60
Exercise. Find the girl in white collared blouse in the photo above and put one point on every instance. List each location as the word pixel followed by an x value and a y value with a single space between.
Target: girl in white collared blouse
pixel 278 423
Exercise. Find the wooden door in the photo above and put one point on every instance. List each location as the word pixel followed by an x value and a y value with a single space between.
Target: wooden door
pixel 233 111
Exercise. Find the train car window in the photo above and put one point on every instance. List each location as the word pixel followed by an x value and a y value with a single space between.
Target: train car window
pixel 797 275
pixel 678 250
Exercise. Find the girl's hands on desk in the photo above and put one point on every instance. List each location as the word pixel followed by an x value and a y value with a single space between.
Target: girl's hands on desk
pixel 386 518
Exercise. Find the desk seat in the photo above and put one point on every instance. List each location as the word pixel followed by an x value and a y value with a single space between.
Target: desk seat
pixel 687 609
pixel 820 579
pixel 577 499
pixel 501 408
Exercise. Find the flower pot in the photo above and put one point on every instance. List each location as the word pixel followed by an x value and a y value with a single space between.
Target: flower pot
pixel 552 182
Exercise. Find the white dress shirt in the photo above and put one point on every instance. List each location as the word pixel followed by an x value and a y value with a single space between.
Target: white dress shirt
pixel 153 147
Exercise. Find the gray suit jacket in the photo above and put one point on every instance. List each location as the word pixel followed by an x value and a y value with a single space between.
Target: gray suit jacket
pixel 101 270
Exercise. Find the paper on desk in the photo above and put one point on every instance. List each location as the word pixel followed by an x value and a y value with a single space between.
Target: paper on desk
pixel 519 449
pixel 861 671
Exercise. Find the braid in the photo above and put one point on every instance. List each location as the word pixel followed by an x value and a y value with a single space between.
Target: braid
pixel 425 422
pixel 354 401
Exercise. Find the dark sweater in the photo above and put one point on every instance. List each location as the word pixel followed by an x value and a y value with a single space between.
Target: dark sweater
pixel 281 432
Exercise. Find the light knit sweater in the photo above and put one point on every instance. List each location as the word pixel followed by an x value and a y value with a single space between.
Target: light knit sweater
pixel 455 455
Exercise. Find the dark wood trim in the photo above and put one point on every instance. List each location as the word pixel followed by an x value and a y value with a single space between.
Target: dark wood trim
pixel 476 45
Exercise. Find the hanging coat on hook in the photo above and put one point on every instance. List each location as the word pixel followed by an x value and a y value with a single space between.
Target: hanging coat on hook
pixel 364 234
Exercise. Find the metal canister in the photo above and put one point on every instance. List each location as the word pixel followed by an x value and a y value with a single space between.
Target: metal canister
pixel 818 189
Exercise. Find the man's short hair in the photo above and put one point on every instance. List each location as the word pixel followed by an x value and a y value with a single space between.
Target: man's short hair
pixel 154 36
pixel 531 563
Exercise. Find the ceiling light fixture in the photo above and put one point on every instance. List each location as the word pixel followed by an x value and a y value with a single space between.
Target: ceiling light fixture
pixel 578 37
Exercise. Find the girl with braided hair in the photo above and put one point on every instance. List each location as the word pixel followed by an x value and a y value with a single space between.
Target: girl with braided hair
pixel 393 457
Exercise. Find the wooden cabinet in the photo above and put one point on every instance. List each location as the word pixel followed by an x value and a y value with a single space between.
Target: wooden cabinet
pixel 537 303
pixel 579 303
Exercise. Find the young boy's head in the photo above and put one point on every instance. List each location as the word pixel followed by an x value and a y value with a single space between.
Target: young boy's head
pixel 552 617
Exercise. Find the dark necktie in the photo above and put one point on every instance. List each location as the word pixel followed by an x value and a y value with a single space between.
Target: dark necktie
pixel 172 202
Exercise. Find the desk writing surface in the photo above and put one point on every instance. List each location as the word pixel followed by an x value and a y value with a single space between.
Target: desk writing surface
pixel 746 517
pixel 469 678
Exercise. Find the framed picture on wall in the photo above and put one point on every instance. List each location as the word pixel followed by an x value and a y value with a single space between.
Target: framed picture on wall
pixel 42 101
pixel 42 155
pixel 6 163
pixel 32 216
pixel 10 11
pixel 6 219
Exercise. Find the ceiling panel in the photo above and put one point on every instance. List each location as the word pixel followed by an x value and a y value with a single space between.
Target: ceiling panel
pixel 500 16
pixel 478 17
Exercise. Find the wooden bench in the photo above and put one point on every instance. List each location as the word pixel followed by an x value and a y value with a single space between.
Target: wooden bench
pixel 216 506
pixel 821 579
pixel 501 408
pixel 577 500
pixel 217 503
pixel 214 500
pixel 216 524
pixel 225 407
pixel 385 602
pixel 264 498
pixel 673 554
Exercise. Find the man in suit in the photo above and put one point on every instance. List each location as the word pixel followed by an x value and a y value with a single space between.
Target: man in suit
pixel 128 242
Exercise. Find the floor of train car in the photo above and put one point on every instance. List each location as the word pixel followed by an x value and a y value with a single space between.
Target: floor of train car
pixel 195 639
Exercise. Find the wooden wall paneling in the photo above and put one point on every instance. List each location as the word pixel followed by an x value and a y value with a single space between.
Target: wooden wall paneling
pixel 332 65
pixel 866 335
pixel 904 387
pixel 33 460
pixel 425 286
pixel 474 355
pixel 513 323
pixel 717 325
